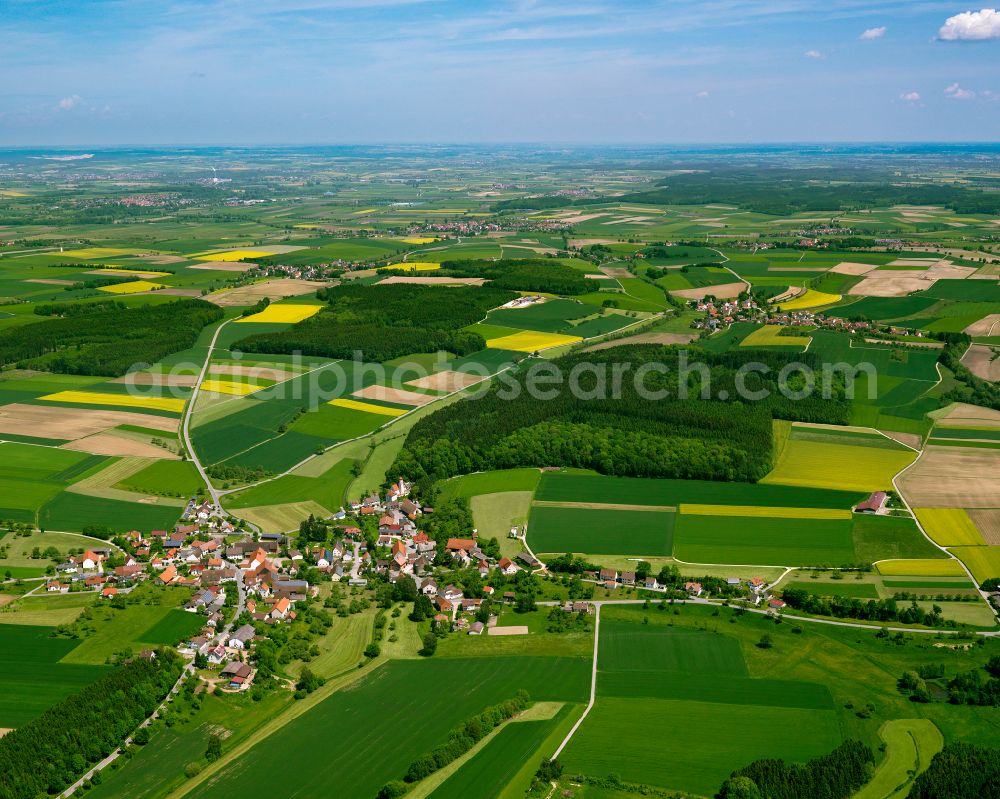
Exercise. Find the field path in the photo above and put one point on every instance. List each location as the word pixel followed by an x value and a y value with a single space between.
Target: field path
pixel 186 672
pixel 593 683
pixel 189 409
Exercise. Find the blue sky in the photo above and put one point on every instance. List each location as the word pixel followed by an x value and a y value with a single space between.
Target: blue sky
pixel 105 72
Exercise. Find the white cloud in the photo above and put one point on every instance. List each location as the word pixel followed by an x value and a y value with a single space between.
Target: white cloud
pixel 910 97
pixel 873 33
pixel 69 102
pixel 956 92
pixel 972 26
pixel 703 93
pixel 813 54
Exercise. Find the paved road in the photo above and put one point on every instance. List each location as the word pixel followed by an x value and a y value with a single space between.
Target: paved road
pixel 593 682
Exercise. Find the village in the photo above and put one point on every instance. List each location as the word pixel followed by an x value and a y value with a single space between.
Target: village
pixel 244 584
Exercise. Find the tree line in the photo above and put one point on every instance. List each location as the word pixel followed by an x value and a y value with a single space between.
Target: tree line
pixel 48 754
pixel 879 610
pixel 460 740
pixel 834 776
pixel 110 341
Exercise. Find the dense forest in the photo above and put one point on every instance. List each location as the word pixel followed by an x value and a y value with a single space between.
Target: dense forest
pixel 524 274
pixel 385 322
pixel 621 432
pixel 108 342
pixel 960 771
pixel 787 190
pixel 837 775
pixel 49 753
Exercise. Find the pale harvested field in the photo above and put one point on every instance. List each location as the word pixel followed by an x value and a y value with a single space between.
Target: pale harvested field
pixel 272 289
pixel 71 423
pixel 578 218
pixel 983 362
pixel 985 326
pixel 851 268
pixel 534 248
pixel 724 291
pixel 282 518
pixel 890 285
pixel 914 262
pixel 615 271
pixel 987 521
pixel 399 395
pixel 445 381
pixel 108 444
pixel 793 291
pixel 515 630
pixel 961 414
pixel 433 281
pixel 156 379
pixel 262 372
pixel 953 477
pixel 589 242
pixel 645 338
pixel 49 281
pixel 223 266
pixel 180 292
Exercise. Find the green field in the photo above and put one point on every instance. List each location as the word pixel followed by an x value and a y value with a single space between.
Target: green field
pixel 470 485
pixel 172 628
pixel 175 478
pixel 490 771
pixel 32 678
pixel 653 672
pixel 72 512
pixel 31 476
pixel 594 531
pixel 763 541
pixel 570 487
pixel 388 741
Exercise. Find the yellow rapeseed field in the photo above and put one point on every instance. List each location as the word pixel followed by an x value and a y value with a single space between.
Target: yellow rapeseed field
pixel 283 313
pixel 365 211
pixel 764 511
pixel 949 527
pixel 124 270
pixel 173 404
pixel 811 299
pixel 531 341
pixel 367 407
pixel 413 266
pixel 770 336
pixel 232 255
pixel 983 562
pixel 845 467
pixel 98 252
pixel 419 240
pixel 940 567
pixel 132 288
pixel 229 387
